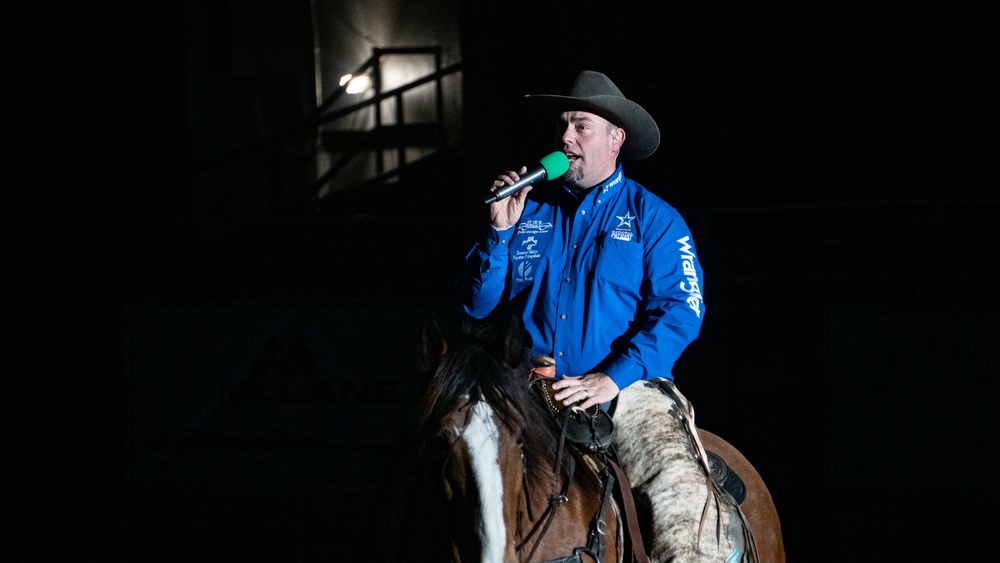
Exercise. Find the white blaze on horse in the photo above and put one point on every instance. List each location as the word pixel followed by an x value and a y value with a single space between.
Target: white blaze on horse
pixel 496 480
pixel 480 437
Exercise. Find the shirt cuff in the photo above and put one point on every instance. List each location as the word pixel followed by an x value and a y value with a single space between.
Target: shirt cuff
pixel 624 372
pixel 497 240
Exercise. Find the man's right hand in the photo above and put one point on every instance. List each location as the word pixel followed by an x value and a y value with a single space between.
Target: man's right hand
pixel 505 213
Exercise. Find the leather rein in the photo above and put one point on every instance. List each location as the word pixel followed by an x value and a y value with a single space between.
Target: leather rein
pixel 596 542
pixel 610 473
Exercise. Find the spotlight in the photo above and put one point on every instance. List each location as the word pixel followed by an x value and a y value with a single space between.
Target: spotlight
pixel 355 84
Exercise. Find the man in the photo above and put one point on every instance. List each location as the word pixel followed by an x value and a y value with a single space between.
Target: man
pixel 606 278
pixel 603 272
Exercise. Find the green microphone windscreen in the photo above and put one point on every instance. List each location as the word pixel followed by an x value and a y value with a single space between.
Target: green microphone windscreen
pixel 555 165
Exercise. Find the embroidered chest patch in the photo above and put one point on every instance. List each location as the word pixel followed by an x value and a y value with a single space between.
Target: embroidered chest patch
pixel 624 229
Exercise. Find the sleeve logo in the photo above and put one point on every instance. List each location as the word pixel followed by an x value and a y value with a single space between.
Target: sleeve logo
pixel 690 284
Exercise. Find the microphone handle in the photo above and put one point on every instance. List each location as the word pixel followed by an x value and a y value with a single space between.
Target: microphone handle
pixel 537 175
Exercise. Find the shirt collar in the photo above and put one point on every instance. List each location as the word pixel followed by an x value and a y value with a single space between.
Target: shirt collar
pixel 614 182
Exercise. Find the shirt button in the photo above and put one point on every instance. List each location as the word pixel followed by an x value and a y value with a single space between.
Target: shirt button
pixel 562 316
pixel 559 354
pixel 583 212
pixel 567 280
pixel 574 246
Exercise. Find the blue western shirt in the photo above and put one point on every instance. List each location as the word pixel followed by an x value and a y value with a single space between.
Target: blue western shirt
pixel 607 281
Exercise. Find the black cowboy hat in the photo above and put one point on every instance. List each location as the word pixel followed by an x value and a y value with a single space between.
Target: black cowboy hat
pixel 596 93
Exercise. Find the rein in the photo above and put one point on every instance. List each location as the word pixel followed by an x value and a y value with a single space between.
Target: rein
pixel 558 497
pixel 610 474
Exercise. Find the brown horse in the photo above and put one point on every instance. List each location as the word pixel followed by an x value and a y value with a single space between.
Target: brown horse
pixel 490 480
pixel 491 488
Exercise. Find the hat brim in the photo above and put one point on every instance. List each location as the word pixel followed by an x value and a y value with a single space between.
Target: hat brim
pixel 642 136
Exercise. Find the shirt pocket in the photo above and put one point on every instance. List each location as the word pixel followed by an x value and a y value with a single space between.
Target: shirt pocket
pixel 619 264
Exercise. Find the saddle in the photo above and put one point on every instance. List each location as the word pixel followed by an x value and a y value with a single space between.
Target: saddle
pixel 590 429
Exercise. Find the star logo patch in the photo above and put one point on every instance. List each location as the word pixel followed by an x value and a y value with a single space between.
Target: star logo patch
pixel 626 220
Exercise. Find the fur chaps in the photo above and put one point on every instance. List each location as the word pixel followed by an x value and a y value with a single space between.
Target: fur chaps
pixel 662 463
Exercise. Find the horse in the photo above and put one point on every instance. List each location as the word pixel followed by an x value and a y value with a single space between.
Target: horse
pixel 486 478
pixel 489 476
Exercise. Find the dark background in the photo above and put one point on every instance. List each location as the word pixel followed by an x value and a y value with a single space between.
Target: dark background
pixel 838 165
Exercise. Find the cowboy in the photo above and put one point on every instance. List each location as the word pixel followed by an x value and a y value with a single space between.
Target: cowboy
pixel 603 272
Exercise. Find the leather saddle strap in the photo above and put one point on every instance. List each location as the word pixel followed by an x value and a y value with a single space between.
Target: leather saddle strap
pixel 638 549
pixel 597 543
pixel 685 411
pixel 715 491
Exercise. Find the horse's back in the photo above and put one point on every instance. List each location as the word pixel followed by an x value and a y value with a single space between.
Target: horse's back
pixel 758 505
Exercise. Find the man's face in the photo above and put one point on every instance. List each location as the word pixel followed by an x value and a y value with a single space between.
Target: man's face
pixel 591 143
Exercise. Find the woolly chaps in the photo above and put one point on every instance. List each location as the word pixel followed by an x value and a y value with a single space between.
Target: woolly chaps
pixel 692 521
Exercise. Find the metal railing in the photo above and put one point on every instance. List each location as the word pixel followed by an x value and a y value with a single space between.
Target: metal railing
pixel 396 134
pixel 258 156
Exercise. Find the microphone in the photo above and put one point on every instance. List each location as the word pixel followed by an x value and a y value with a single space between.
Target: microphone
pixel 550 167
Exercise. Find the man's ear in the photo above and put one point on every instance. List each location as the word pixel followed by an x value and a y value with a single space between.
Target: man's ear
pixel 617 139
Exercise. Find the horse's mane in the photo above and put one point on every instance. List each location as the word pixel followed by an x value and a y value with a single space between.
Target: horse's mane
pixel 487 361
